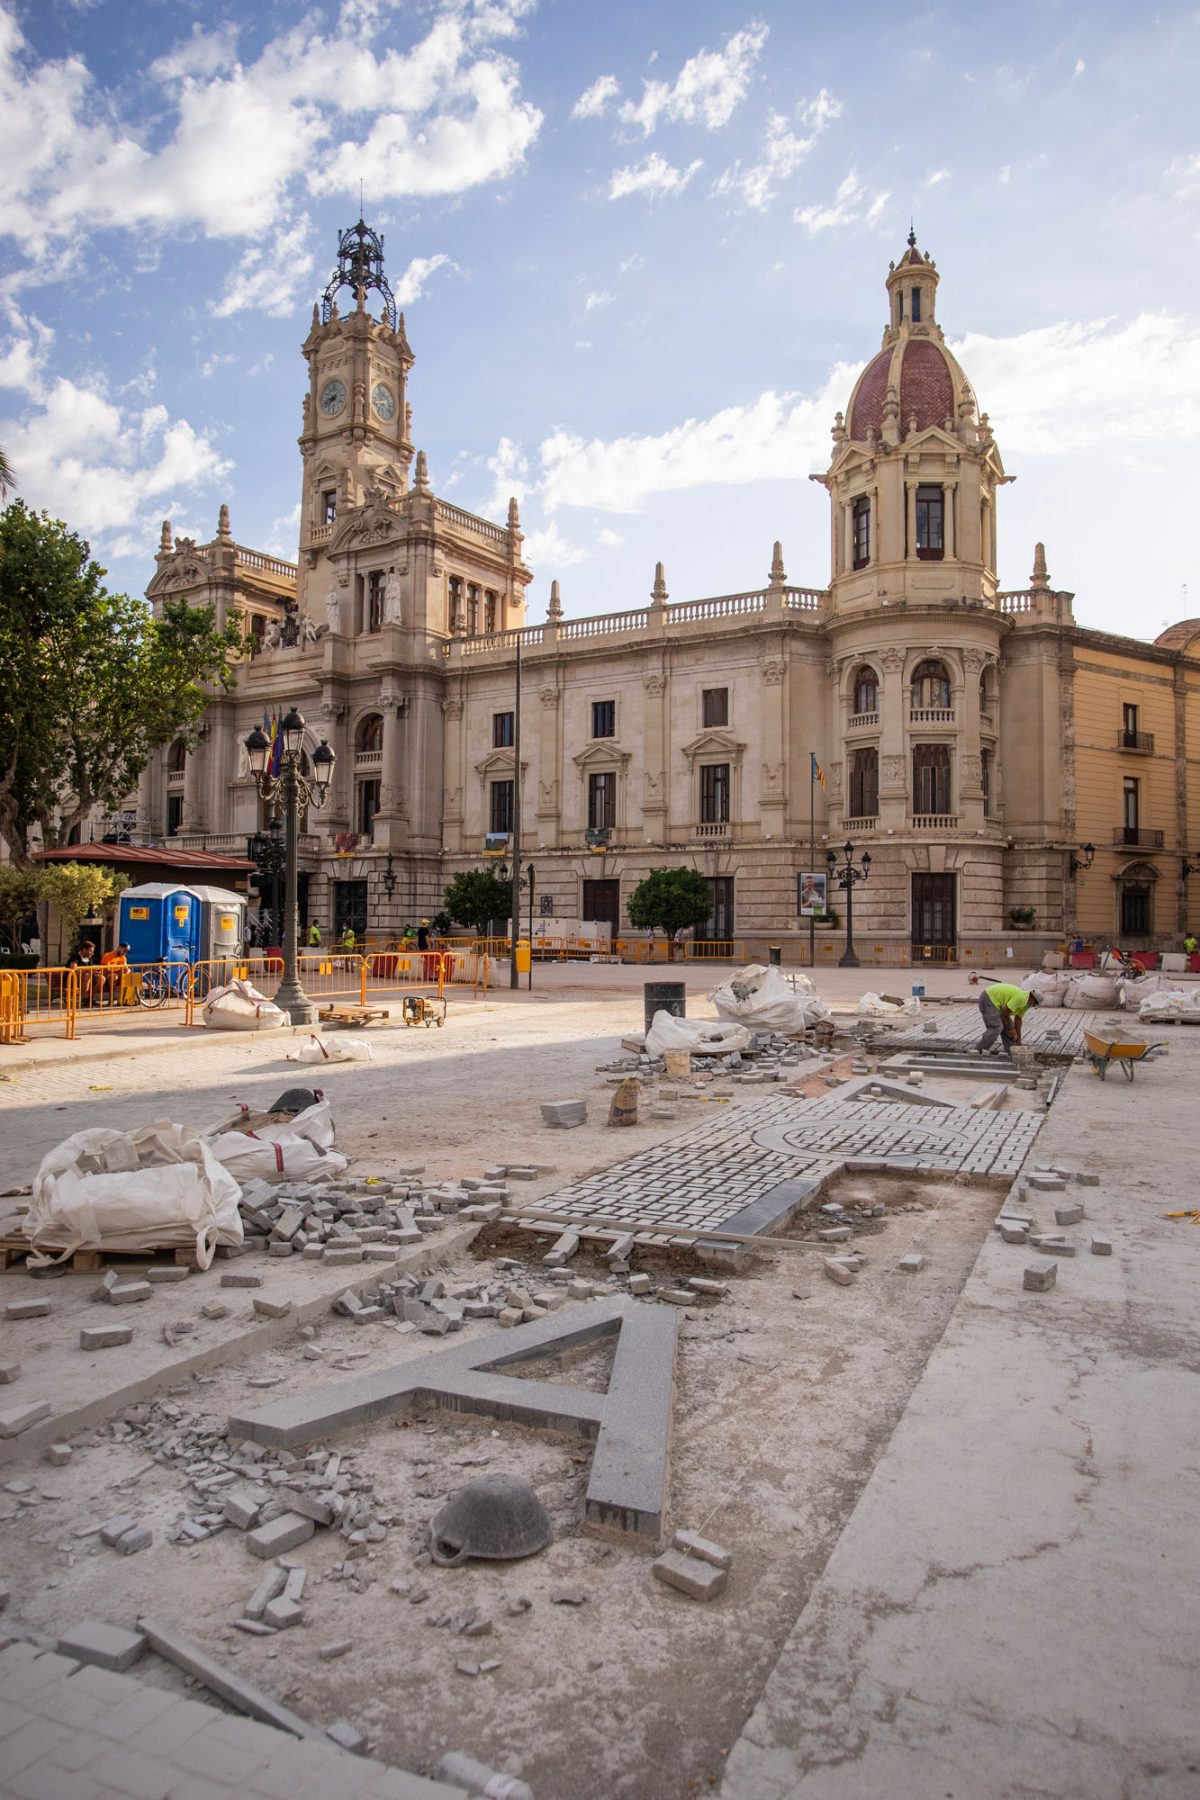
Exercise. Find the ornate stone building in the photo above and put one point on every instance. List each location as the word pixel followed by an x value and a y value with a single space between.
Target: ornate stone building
pixel 963 733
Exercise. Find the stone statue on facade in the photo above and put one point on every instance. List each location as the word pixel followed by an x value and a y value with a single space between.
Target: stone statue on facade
pixel 391 599
pixel 333 608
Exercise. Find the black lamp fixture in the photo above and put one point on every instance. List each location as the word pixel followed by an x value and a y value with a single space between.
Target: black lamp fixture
pixel 389 876
pixel 1083 861
pixel 847 876
pixel 294 789
pixel 1187 868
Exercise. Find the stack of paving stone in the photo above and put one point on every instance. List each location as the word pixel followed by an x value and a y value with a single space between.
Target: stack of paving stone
pixel 358 1219
pixel 423 1302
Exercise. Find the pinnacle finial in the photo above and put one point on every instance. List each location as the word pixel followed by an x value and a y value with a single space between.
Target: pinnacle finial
pixel 778 576
pixel 514 514
pixel 912 235
pixel 555 601
pixel 164 541
pixel 1040 577
pixel 658 592
pixel 223 531
pixel 421 477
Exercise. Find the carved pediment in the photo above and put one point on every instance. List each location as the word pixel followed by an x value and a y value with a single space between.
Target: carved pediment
pixel 715 745
pixel 375 522
pixel 184 569
pixel 497 765
pixel 602 755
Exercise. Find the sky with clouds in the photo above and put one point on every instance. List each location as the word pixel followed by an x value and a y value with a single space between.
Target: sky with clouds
pixel 641 249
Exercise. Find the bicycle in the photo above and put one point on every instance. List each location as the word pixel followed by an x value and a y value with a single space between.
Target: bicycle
pixel 165 981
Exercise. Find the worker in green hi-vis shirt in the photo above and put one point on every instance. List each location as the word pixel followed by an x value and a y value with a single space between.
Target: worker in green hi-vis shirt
pixel 1003 1006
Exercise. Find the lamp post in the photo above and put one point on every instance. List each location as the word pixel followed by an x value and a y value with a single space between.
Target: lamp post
pixel 1084 860
pixel 847 877
pixel 530 876
pixel 292 788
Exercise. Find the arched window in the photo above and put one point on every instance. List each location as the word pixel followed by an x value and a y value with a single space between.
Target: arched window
pixel 864 784
pixel 866 691
pixel 930 686
pixel 861 517
pixel 369 736
pixel 177 757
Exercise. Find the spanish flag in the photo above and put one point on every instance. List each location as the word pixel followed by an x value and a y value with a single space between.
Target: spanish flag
pixel 818 773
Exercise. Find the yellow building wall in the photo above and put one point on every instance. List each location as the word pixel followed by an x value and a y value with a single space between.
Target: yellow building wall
pixel 1105 682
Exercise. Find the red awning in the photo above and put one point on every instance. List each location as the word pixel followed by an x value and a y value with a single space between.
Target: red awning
pixel 137 855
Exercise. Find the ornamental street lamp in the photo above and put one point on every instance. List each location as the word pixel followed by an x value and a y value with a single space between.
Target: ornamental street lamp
pixel 1084 860
pixel 294 789
pixel 847 877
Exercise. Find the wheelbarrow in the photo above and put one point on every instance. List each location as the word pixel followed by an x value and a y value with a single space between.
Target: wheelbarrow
pixel 1103 1051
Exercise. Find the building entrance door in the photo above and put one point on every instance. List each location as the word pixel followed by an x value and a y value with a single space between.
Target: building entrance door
pixel 934 926
pixel 718 927
pixel 602 903
pixel 350 909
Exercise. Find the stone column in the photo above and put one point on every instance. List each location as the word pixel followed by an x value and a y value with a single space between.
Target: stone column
pixel 194 769
pixel 951 492
pixel 910 514
pixel 656 802
pixel 773 794
pixel 548 774
pixel 893 742
pixel 969 798
pixel 387 819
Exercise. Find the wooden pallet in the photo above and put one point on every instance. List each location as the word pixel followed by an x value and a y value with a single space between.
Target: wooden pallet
pixel 14 1247
pixel 352 1015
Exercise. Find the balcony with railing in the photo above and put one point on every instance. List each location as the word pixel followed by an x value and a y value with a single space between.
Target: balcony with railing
pixel 1137 837
pixel 1140 742
pixel 712 828
pixel 365 761
pixel 934 821
pixel 867 822
pixel 931 715
pixel 867 721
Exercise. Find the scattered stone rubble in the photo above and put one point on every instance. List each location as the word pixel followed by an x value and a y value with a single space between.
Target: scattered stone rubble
pixel 356 1219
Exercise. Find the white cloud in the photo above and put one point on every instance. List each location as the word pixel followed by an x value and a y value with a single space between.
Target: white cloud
pixel 415 279
pixel 655 177
pixel 1005 174
pixel 269 277
pixel 1080 66
pixel 1089 383
pixel 593 101
pixel 609 540
pixel 284 535
pixel 551 550
pixel 232 148
pixel 783 150
pixel 596 300
pixel 708 89
pixel 510 470
pixel 218 360
pixel 936 177
pixel 107 467
pixel 633 263
pixel 848 208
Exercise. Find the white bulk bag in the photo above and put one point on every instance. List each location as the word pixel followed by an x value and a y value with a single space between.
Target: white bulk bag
pixel 347 1046
pixel 700 1036
pixel 238 1006
pixel 762 998
pixel 1091 992
pixel 114 1190
pixel 297 1148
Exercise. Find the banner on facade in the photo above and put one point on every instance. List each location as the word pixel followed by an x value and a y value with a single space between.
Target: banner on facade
pixel 811 894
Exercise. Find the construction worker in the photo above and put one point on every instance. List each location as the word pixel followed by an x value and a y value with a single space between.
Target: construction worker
pixel 1002 1007
pixel 314 936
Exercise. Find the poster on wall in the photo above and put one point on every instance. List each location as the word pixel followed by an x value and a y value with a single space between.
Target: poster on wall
pixel 810 895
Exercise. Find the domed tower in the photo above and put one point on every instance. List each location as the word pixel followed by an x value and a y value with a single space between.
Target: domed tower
pixel 915 628
pixel 915 471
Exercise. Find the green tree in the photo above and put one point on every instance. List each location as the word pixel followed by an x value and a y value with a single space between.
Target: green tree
pixel 75 889
pixel 476 897
pixel 672 900
pixel 8 480
pixel 90 682
pixel 20 892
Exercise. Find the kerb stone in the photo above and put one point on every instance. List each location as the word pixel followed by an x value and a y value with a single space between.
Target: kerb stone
pixel 280 1535
pixel 107 1646
pixel 699 1580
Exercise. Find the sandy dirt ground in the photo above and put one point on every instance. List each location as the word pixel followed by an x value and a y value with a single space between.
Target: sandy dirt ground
pixel 787 1390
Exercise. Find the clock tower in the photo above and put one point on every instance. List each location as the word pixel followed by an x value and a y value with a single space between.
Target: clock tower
pixel 356 415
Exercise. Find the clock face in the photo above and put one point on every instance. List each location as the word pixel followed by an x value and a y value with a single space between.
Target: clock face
pixel 383 400
pixel 333 398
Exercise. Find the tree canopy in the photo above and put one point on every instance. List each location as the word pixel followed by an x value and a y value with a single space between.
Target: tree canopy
pixel 476 897
pixel 90 682
pixel 670 899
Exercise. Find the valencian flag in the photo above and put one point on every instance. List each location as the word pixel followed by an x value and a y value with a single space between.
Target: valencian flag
pixel 818 773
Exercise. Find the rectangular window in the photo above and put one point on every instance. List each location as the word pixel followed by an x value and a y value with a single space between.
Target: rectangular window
pixel 714 793
pixel 375 581
pixel 501 815
pixel 916 306
pixel 715 706
pixel 864 784
pixel 472 610
pixel 930 513
pixel 604 718
pixel 931 779
pixel 718 927
pixel 174 813
pixel 1130 801
pixel 861 517
pixel 602 801
pixel 1129 719
pixel 502 731
pixel 1135 909
pixel 368 806
pixel 329 506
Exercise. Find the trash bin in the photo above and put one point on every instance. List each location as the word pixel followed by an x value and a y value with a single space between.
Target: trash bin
pixel 665 996
pixel 524 954
pixel 775 955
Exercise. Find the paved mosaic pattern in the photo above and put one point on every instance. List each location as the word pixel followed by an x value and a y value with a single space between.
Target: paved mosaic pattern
pixel 1050 1028
pixel 747 1170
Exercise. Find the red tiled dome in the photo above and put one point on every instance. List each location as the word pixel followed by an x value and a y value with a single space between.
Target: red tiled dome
pixel 922 373
pixel 1179 637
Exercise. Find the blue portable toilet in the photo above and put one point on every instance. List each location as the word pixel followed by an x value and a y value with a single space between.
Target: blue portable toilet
pixel 160 922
